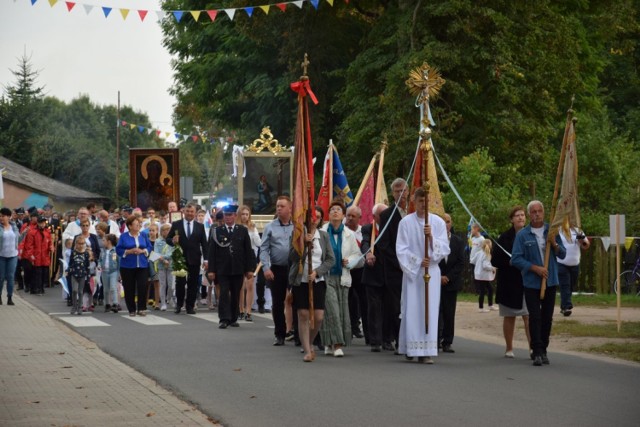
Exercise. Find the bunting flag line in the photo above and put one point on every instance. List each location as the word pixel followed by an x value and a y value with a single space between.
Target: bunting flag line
pixel 179 15
pixel 179 137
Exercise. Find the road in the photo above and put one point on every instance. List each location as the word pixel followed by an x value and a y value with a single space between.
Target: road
pixel 237 377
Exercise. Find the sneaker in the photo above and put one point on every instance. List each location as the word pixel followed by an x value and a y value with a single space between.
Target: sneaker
pixel 566 313
pixel 483 310
pixel 338 352
pixel 248 318
pixel 107 308
pixel 537 361
pixel 289 336
pixel 509 355
pixel 163 307
pixel 493 308
pixel 545 359
pixel 328 350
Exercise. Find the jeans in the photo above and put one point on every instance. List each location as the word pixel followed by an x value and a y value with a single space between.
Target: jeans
pixel 7 272
pixel 166 285
pixel 568 277
pixel 110 286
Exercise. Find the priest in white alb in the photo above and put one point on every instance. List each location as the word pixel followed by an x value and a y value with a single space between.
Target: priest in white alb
pixel 416 340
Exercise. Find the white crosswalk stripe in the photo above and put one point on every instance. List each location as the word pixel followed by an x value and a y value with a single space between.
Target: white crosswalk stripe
pixel 83 321
pixel 151 320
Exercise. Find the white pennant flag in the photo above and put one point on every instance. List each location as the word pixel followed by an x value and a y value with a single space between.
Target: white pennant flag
pixel 160 14
pixel 87 8
pixel 298 3
pixel 606 242
pixel 230 13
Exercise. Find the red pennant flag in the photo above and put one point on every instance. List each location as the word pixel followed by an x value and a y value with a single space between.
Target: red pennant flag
pixel 124 123
pixel 70 5
pixel 158 133
pixel 367 201
pixel 195 138
pixel 281 6
pixel 212 14
pixel 142 14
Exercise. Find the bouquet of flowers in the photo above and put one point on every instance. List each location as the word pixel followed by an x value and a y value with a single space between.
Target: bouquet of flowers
pixel 178 261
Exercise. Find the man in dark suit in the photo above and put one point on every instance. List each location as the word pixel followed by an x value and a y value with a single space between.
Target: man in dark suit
pixel 387 249
pixel 191 237
pixel 451 268
pixel 373 280
pixel 231 259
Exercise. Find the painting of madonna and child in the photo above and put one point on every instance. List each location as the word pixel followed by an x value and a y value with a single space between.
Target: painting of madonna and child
pixel 267 178
pixel 154 177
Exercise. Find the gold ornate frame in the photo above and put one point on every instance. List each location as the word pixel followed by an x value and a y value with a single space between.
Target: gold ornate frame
pixel 265 156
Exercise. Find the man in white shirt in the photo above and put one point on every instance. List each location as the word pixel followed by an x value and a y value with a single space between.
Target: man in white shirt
pixel 569 267
pixel 113 226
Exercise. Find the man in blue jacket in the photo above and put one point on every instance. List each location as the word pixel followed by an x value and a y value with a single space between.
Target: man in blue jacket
pixel 528 257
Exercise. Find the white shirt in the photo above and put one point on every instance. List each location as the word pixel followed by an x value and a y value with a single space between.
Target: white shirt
pixel 573 248
pixel 316 259
pixel 185 222
pixel 542 243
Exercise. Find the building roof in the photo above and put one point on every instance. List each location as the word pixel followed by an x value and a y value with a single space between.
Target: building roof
pixel 25 177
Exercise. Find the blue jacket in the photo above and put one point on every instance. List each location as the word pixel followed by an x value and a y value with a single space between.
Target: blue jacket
pixel 113 263
pixel 526 253
pixel 128 242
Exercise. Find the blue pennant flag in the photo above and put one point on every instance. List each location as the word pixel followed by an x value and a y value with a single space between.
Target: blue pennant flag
pixel 178 15
pixel 249 11
pixel 106 10
pixel 315 3
pixel 141 129
pixel 340 185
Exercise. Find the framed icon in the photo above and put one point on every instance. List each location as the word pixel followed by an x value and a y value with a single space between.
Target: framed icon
pixel 154 177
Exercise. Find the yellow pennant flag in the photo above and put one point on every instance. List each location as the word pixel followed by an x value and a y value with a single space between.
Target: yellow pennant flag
pixel 166 134
pixel 132 126
pixel 53 2
pixel 330 2
pixel 196 14
pixel 265 9
pixel 124 13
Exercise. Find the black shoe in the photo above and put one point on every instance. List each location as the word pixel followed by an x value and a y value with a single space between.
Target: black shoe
pixel 388 347
pixel 248 318
pixel 376 348
pixel 408 358
pixel 267 310
pixel 0 300
pixel 297 342
pixel 223 325
pixel 177 310
pixel 566 312
pixel 191 311
pixel 279 341
pixel 537 361
pixel 261 310
pixel 289 336
pixel 107 308
pixel 447 349
pixel 10 301
pixel 545 359
pixel 235 324
pixel 357 334
pixel 69 303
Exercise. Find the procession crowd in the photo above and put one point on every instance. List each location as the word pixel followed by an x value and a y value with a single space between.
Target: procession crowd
pixel 393 283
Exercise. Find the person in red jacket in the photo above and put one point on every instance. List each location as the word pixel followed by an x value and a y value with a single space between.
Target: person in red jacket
pixel 25 263
pixel 38 247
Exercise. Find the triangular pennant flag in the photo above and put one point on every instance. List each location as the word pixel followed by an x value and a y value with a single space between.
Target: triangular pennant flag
pixel 177 135
pixel 230 13
pixel 70 5
pixel 160 14
pixel 166 134
pixel 331 2
pixel 87 8
pixel 249 10
pixel 33 2
pixel 195 138
pixel 142 14
pixel 185 137
pixel 158 133
pixel 606 242
pixel 106 11
pixel 315 3
pixel 149 131
pixel 124 13
pixel 196 14
pixel 53 2
pixel 132 126
pixel 123 123
pixel 265 9
pixel 212 14
pixel 281 6
pixel 298 3
pixel 178 15
pixel 141 129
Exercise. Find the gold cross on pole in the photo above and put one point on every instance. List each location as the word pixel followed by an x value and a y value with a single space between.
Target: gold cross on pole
pixel 305 64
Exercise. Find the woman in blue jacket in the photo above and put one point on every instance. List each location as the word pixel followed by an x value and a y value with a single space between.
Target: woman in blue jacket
pixel 133 249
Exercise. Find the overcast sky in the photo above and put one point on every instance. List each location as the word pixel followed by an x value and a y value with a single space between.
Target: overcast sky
pixel 76 53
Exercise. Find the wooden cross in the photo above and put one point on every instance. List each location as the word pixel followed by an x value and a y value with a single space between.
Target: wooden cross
pixel 305 64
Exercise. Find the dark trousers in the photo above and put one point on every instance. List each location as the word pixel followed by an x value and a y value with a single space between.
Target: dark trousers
pixel 358 303
pixel 482 287
pixel 375 314
pixel 447 317
pixel 568 278
pixel 191 281
pixel 135 281
pixel 27 268
pixel 278 293
pixel 19 271
pixel 39 277
pixel 260 285
pixel 391 308
pixel 230 287
pixel 540 317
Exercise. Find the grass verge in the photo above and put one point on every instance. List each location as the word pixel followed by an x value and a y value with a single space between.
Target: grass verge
pixel 606 330
pixel 595 300
pixel 628 351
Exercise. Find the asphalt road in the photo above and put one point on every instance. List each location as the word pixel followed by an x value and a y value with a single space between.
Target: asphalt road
pixel 237 377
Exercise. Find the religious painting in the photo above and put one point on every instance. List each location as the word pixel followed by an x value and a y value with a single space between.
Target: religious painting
pixel 154 177
pixel 267 176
